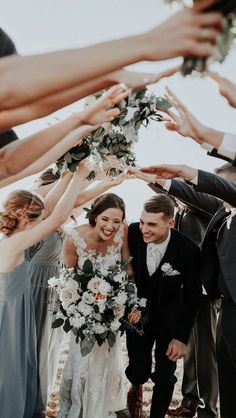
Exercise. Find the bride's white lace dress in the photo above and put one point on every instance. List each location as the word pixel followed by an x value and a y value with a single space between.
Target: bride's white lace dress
pixel 94 386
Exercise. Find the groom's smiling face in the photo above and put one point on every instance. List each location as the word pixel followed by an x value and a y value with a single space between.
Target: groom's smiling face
pixel 155 226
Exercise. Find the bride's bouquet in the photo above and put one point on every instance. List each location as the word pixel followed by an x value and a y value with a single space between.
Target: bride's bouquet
pixel 225 39
pixel 95 304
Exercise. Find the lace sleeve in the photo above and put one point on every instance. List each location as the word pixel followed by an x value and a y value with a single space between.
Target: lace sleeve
pixel 78 240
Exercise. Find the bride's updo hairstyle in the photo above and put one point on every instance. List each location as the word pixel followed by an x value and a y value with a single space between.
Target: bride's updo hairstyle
pixel 104 202
pixel 19 204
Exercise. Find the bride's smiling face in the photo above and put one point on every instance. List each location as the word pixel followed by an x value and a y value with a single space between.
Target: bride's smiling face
pixel 108 223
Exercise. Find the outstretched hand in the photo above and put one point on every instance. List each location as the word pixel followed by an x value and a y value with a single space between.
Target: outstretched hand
pixel 102 109
pixel 190 32
pixel 183 122
pixel 136 173
pixel 171 171
pixel 137 80
pixel 227 89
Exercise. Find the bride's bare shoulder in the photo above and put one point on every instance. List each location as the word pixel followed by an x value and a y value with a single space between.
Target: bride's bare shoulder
pixel 81 229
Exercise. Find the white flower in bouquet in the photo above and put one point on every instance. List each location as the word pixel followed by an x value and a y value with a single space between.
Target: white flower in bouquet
pixel 119 278
pixel 77 321
pixel 119 311
pixel 104 288
pixel 99 328
pixel 54 282
pixel 97 316
pixel 84 308
pixel 103 270
pixel 101 305
pixel 88 298
pixel 94 284
pixel 67 296
pixel 115 325
pixel 121 298
pixel 72 284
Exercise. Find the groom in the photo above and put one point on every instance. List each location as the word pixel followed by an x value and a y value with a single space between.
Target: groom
pixel 165 264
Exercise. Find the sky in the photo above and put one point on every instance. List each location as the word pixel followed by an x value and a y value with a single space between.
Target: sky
pixel 47 25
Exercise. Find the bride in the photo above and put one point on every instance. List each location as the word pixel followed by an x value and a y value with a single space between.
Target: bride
pixel 95 385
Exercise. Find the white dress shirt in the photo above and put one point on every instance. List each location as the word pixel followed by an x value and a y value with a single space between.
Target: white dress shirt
pixel 155 253
pixel 227 147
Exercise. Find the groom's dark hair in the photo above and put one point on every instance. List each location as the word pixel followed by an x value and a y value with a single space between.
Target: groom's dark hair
pixel 160 204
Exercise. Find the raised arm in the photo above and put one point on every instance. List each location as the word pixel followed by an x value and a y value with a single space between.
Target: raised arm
pixel 181 35
pixel 182 191
pixel 18 155
pixel 218 144
pixel 51 103
pixel 102 187
pixel 74 138
pixel 188 126
pixel 204 181
pixel 217 186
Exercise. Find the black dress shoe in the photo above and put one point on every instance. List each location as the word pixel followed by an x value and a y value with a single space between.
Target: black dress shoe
pixel 135 401
pixel 180 412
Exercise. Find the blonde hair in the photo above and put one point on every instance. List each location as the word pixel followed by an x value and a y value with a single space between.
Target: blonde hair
pixel 19 204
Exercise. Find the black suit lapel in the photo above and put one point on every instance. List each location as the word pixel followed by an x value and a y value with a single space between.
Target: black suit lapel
pixel 219 216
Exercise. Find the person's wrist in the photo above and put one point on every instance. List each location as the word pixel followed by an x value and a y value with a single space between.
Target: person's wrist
pixel 211 136
pixel 76 119
pixel 187 172
pixel 201 134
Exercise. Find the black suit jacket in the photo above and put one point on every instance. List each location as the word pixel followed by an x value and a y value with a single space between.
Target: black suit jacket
pixel 218 245
pixel 171 300
pixel 215 153
pixel 226 237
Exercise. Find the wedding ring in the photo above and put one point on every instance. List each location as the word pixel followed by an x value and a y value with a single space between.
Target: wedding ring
pixel 205 34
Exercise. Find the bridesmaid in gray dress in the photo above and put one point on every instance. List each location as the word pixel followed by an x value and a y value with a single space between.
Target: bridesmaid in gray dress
pixel 18 377
pixel 22 225
pixel 44 265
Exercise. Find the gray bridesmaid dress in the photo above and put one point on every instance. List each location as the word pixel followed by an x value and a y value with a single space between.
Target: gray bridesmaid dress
pixel 44 265
pixel 18 361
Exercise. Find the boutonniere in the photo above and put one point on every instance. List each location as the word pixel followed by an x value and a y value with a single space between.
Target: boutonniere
pixel 168 270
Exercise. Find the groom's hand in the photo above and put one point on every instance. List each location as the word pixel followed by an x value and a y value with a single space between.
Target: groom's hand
pixel 134 316
pixel 176 350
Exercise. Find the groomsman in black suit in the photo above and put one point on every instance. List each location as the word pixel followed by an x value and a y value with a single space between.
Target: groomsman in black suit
pixel 165 264
pixel 218 270
pixel 199 389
